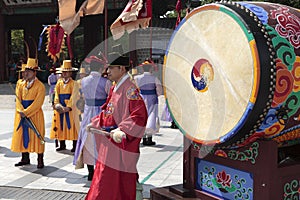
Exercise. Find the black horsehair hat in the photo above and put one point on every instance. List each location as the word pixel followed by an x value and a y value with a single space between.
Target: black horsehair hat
pixel 116 59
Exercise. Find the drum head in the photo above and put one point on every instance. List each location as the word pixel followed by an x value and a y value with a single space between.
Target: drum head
pixel 211 74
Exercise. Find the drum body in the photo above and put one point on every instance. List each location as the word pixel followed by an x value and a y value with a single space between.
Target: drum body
pixel 232 74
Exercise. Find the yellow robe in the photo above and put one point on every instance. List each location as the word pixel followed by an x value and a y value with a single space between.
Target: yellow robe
pixel 63 132
pixel 34 112
pixel 19 84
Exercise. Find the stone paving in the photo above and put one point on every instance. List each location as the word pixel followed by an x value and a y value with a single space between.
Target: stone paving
pixel 158 166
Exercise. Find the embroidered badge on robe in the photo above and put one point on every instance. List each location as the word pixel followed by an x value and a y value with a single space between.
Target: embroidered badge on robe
pixel 109 109
pixel 133 94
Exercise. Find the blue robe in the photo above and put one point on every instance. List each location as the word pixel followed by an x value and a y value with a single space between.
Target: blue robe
pixel 95 89
pixel 150 88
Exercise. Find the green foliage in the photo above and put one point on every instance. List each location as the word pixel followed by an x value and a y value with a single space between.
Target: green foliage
pixel 17 41
pixel 79 42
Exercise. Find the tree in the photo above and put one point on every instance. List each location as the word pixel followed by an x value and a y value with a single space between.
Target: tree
pixel 17 41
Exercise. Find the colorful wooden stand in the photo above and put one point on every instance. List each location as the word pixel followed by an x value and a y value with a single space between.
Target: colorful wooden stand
pixel 252 172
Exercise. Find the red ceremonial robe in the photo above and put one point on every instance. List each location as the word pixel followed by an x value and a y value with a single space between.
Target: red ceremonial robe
pixel 115 175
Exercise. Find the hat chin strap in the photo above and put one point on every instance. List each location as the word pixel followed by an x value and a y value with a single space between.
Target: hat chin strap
pixel 66 80
pixel 30 82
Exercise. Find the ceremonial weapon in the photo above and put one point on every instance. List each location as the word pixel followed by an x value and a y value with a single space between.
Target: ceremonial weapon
pixel 31 125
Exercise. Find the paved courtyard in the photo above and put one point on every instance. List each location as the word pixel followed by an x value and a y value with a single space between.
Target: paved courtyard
pixel 158 166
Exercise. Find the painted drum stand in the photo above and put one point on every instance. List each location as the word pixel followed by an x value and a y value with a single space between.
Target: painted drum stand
pixel 232 85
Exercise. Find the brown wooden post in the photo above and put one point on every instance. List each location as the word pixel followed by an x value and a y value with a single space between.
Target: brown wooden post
pixel 106 29
pixel 132 48
pixel 3 68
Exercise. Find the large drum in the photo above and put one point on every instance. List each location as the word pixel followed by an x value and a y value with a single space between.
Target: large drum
pixel 232 74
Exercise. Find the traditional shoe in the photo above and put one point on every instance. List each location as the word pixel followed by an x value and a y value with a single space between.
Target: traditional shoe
pixel 40 165
pixel 24 160
pixel 91 172
pixel 90 176
pixel 74 146
pixel 62 145
pixel 21 163
pixel 173 125
pixel 144 141
pixel 61 148
pixel 148 142
pixel 40 161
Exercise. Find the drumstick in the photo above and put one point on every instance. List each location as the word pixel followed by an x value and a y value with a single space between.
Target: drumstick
pixel 98 131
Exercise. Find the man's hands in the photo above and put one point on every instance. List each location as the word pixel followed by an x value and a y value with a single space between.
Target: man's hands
pixel 61 109
pixel 22 114
pixel 88 127
pixel 117 135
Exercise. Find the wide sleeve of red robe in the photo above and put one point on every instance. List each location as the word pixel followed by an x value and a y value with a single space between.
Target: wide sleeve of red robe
pixel 115 175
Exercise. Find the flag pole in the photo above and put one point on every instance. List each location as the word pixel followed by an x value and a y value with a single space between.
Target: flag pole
pixel 151 38
pixel 105 29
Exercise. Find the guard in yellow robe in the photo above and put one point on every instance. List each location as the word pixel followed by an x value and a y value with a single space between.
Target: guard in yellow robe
pixel 30 95
pixel 65 122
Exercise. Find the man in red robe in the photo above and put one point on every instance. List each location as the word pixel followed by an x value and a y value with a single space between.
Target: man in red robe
pixel 124 115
